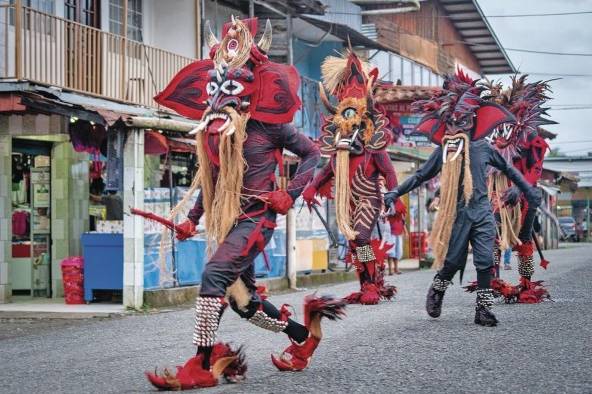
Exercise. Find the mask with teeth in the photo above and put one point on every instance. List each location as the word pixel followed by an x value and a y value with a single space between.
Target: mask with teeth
pixel 353 125
pixel 238 77
pixel 525 101
pixel 458 110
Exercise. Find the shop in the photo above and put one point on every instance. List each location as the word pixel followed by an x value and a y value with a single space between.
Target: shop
pixel 43 184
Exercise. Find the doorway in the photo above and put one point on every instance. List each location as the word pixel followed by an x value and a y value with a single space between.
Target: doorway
pixel 30 269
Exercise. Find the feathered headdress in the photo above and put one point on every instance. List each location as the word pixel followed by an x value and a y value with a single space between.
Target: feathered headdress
pixel 524 100
pixel 460 95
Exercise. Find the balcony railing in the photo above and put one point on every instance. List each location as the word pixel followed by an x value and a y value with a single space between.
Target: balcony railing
pixel 53 51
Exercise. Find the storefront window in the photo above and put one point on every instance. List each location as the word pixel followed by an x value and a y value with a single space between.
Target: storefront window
pixel 416 74
pixel 381 60
pixel 396 68
pixel 407 72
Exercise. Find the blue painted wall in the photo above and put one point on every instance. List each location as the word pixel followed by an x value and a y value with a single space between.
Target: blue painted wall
pixel 308 59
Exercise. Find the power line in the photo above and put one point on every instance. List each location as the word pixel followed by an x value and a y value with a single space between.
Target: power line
pixel 555 74
pixel 536 15
pixel 570 105
pixel 569 108
pixel 571 142
pixel 487 16
pixel 477 45
pixel 547 52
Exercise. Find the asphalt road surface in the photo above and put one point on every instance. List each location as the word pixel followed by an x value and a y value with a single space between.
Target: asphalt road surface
pixel 389 348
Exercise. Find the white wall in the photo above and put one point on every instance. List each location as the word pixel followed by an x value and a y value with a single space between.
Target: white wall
pixel 170 25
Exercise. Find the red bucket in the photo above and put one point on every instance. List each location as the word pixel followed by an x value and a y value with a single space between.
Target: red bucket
pixel 73 278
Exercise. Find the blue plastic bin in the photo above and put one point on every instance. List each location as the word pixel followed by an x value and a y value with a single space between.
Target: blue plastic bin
pixel 103 262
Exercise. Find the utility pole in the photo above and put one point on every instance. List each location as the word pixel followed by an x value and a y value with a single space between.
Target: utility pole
pixel 588 214
pixel 198 29
pixel 291 217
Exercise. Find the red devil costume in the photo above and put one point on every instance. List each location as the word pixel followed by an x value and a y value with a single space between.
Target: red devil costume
pixel 520 144
pixel 355 137
pixel 457 119
pixel 244 102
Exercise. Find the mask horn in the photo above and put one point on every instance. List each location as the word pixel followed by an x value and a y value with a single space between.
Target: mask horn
pixel 325 100
pixel 265 41
pixel 211 38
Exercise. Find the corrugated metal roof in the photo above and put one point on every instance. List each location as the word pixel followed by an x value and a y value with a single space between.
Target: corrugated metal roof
pixel 469 21
pixel 344 33
pixel 392 93
pixel 581 166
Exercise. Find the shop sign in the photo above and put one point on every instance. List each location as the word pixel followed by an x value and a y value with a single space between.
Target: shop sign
pixel 408 124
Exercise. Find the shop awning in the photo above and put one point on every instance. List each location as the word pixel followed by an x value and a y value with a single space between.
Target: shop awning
pixel 549 189
pixel 45 100
pixel 410 153
pixel 345 33
pixel 391 93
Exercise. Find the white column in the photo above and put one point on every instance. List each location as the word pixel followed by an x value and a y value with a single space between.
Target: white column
pixel 133 226
pixel 291 246
pixel 5 217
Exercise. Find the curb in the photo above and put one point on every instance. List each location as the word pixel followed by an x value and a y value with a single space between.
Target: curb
pixel 57 315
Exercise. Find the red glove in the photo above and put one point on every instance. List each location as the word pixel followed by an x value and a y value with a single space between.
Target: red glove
pixel 185 230
pixel 309 196
pixel 279 200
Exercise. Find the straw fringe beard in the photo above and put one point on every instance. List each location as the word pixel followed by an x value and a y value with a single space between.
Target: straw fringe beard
pixel 343 195
pixel 449 182
pixel 221 201
pixel 510 216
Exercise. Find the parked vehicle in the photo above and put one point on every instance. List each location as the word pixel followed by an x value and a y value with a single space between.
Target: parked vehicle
pixel 568 228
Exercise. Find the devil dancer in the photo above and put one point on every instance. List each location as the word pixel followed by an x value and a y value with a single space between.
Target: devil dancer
pixel 355 137
pixel 245 103
pixel 457 119
pixel 520 144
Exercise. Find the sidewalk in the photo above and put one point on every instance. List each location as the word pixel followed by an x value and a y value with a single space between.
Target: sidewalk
pixel 55 308
pixel 48 308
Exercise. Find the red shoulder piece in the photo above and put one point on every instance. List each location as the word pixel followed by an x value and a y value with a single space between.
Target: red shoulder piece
pixel 433 127
pixel 488 117
pixel 186 93
pixel 275 99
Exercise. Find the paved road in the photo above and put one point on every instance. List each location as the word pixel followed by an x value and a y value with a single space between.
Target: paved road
pixel 392 347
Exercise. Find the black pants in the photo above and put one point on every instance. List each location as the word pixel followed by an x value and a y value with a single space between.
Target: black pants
pixel 228 264
pixel 476 226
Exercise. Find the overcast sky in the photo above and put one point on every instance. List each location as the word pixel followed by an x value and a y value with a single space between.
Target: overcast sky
pixel 573 34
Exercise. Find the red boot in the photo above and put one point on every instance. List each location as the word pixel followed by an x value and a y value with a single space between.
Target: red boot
pixel 192 375
pixel 370 294
pixel 296 357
